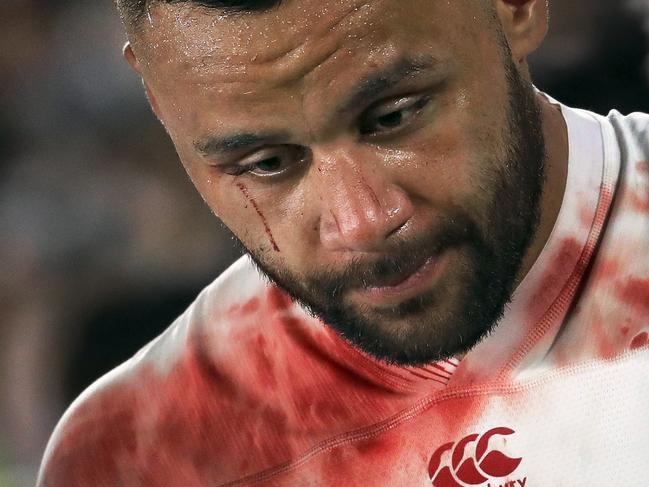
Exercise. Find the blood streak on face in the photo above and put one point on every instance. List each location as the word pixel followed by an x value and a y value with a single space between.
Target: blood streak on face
pixel 246 194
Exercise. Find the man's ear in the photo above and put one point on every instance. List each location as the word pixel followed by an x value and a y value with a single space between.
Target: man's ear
pixel 525 24
pixel 129 55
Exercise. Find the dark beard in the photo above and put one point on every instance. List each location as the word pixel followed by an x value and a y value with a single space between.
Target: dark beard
pixel 493 251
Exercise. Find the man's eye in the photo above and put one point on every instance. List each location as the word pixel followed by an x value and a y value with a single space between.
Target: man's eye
pixel 392 116
pixel 271 165
pixel 270 162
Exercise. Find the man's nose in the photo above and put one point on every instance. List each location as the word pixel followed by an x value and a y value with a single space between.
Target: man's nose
pixel 361 206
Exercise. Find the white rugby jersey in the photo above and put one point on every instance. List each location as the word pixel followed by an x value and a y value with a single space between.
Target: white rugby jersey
pixel 246 388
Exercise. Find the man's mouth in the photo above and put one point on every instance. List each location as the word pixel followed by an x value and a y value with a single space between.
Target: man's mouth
pixel 405 284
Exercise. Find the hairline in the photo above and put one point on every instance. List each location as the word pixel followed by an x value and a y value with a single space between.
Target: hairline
pixel 133 14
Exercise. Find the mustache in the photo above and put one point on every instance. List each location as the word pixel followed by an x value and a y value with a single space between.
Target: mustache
pixel 402 258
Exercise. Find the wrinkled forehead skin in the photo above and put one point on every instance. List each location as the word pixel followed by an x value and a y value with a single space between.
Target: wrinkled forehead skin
pixel 293 47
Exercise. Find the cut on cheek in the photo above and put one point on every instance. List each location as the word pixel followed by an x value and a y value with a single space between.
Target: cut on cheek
pixel 269 233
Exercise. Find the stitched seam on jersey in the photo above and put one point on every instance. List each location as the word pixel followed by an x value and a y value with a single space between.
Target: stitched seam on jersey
pixel 390 377
pixel 496 388
pixel 567 293
pixel 387 376
pixel 397 379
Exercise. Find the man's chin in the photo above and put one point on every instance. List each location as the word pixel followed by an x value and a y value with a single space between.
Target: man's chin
pixel 417 331
pixel 405 343
pixel 447 320
pixel 439 315
pixel 442 313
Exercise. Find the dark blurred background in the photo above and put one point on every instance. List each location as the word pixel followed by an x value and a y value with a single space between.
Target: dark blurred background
pixel 103 241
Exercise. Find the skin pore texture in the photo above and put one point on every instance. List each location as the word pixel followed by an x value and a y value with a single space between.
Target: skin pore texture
pixel 388 164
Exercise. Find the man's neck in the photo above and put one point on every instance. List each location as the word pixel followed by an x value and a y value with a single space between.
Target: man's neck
pixel 555 132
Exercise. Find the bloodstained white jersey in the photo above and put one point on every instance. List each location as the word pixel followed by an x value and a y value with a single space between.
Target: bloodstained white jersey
pixel 246 388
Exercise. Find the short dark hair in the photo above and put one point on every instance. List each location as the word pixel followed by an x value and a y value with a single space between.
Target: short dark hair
pixel 132 11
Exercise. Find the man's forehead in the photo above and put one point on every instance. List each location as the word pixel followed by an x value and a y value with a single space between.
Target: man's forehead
pixel 194 34
pixel 297 33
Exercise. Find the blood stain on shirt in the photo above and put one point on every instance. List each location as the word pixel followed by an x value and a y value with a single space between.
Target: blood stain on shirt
pixel 604 343
pixel 640 201
pixel 138 430
pixel 586 215
pixel 251 306
pixel 457 413
pixel 68 468
pixel 607 269
pixel 264 366
pixel 639 341
pixel 278 300
pixel 635 293
pixel 239 311
pixel 565 260
pixel 640 197
pixel 379 446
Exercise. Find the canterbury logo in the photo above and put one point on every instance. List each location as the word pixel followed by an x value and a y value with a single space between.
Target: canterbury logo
pixel 465 469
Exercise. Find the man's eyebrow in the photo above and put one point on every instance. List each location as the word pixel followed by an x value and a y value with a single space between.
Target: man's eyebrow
pixel 373 85
pixel 368 88
pixel 213 144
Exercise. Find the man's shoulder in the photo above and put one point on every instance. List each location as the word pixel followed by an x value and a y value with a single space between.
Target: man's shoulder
pixel 630 128
pixel 625 146
pixel 158 399
pixel 631 133
pixel 627 141
pixel 611 316
pixel 637 122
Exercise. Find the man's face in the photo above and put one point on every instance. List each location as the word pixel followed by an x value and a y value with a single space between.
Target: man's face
pixel 382 161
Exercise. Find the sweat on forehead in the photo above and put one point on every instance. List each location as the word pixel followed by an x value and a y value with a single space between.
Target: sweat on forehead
pixel 133 10
pixel 196 31
pixel 202 40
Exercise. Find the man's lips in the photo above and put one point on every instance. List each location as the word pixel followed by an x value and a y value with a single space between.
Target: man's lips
pixel 404 285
